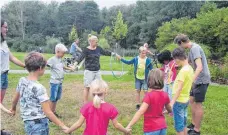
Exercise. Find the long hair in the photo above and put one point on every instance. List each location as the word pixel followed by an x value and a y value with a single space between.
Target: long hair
pixel 2 23
pixel 98 86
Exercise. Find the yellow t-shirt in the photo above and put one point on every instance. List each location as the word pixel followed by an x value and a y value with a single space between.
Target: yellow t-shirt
pixel 141 68
pixel 186 76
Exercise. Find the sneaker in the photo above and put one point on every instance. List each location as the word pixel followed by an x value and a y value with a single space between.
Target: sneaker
pixel 193 132
pixel 137 106
pixel 58 116
pixel 191 126
pixel 4 132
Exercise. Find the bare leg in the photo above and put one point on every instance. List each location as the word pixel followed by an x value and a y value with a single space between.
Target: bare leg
pixel 2 92
pixel 86 94
pixel 138 96
pixel 198 115
pixel 192 105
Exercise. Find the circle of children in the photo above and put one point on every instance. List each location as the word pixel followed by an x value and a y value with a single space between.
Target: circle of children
pixel 168 92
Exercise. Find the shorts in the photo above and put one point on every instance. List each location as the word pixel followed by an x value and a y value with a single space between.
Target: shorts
pixel 157 132
pixel 180 115
pixel 90 76
pixel 4 80
pixel 37 127
pixel 56 92
pixel 199 91
pixel 140 84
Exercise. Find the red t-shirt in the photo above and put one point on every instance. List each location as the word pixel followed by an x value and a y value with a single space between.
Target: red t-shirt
pixel 153 117
pixel 97 119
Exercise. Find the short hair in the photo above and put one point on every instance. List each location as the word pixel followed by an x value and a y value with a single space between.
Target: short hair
pixel 179 53
pixel 34 61
pixel 164 55
pixel 92 37
pixel 60 47
pixel 156 79
pixel 181 38
pixel 142 48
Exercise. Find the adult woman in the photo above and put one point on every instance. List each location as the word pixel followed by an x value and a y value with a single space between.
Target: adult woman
pixel 6 56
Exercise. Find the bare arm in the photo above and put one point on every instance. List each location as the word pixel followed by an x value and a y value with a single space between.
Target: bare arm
pixel 16 61
pixel 199 68
pixel 138 114
pixel 168 108
pixel 78 48
pixel 77 124
pixel 5 110
pixel 118 126
pixel 178 91
pixel 48 112
pixel 15 101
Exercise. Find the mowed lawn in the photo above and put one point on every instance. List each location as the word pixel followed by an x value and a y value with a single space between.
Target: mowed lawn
pixel 122 95
pixel 104 61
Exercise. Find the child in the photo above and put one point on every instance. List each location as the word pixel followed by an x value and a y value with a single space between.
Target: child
pixel 169 69
pixel 147 47
pixel 181 90
pixel 98 113
pixel 57 74
pixel 34 101
pixel 152 106
pixel 92 63
pixel 142 66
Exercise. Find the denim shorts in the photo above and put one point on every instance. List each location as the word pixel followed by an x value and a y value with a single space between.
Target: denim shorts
pixel 158 132
pixel 56 92
pixel 4 80
pixel 141 85
pixel 168 89
pixel 37 127
pixel 180 115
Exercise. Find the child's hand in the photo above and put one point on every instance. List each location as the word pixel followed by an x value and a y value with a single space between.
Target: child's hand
pixel 12 112
pixel 128 129
pixel 118 56
pixel 65 129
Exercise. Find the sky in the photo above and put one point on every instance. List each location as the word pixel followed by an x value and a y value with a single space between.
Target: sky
pixel 101 3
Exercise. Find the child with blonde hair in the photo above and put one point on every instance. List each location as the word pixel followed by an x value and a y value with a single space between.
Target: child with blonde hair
pixel 98 113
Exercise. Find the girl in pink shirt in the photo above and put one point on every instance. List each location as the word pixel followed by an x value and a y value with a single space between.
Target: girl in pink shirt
pixel 98 113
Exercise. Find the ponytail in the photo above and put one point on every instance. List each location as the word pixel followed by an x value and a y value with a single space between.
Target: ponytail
pixel 96 101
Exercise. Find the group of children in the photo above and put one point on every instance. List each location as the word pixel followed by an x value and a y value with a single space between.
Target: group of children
pixel 167 89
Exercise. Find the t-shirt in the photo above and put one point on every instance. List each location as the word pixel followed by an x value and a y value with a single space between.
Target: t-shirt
pixel 56 67
pixel 197 52
pixel 5 53
pixel 153 117
pixel 97 119
pixel 170 72
pixel 32 94
pixel 141 68
pixel 73 48
pixel 186 76
pixel 92 58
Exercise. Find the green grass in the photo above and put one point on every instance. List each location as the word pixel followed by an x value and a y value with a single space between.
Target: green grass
pixel 122 95
pixel 104 62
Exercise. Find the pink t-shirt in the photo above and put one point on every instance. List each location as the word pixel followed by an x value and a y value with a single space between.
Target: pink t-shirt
pixel 97 119
pixel 170 72
pixel 153 117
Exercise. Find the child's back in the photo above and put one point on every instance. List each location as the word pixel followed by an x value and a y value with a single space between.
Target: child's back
pixel 32 94
pixel 153 117
pixel 97 119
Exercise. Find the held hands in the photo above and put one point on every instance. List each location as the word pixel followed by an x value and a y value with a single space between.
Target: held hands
pixel 65 129
pixel 128 129
pixel 118 57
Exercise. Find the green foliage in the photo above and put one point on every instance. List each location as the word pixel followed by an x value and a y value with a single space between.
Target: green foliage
pixel 119 28
pixel 169 47
pixel 73 35
pixel 51 42
pixel 103 43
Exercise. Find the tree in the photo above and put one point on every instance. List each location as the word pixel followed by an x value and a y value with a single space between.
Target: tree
pixel 119 28
pixel 73 34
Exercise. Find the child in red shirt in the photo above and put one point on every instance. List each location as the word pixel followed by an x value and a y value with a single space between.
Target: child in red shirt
pixel 98 113
pixel 152 106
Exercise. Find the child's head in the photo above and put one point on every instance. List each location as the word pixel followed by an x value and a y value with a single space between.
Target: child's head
pixel 142 51
pixel 93 40
pixel 35 62
pixel 146 45
pixel 165 57
pixel 60 50
pixel 179 56
pixel 182 40
pixel 156 79
pixel 98 89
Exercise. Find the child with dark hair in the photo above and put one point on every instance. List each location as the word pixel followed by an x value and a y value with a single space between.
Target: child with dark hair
pixel 169 69
pixel 34 101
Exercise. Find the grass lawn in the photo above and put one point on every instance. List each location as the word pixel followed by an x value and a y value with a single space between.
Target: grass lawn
pixel 122 95
pixel 105 62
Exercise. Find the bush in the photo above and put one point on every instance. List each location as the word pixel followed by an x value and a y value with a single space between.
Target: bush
pixel 103 43
pixel 51 42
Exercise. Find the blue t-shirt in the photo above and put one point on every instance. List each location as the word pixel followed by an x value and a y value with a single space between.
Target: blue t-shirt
pixel 73 48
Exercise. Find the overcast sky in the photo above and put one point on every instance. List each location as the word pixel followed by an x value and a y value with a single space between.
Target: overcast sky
pixel 101 3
